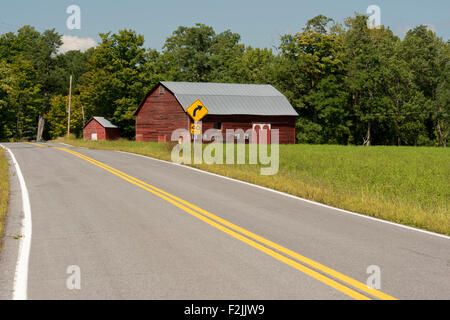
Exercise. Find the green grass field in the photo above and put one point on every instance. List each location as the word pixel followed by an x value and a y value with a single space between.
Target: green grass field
pixel 4 191
pixel 408 185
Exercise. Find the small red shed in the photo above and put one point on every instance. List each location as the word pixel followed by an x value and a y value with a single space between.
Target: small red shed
pixel 230 106
pixel 99 128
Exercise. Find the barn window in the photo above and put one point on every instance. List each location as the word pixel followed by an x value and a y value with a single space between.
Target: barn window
pixel 161 90
pixel 218 126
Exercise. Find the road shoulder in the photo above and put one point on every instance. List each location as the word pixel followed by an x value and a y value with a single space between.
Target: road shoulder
pixel 11 241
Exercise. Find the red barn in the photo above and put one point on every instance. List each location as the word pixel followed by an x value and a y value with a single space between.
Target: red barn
pixel 99 128
pixel 230 106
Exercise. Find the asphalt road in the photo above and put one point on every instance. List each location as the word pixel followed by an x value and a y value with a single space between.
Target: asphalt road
pixel 131 243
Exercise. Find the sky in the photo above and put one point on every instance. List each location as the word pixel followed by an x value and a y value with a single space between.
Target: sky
pixel 259 22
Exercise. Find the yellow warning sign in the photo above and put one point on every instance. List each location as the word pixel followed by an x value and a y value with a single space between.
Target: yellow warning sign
pixel 197 110
pixel 196 128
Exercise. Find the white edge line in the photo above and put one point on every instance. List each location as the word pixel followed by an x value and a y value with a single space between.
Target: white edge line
pixel 21 274
pixel 292 196
pixel 295 197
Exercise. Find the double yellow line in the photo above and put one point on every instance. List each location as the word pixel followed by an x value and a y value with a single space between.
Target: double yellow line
pixel 322 273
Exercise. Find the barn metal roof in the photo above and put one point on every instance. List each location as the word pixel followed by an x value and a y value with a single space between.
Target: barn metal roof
pixel 232 98
pixel 105 122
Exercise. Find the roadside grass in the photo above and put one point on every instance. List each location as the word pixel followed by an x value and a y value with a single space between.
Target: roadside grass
pixel 4 192
pixel 407 185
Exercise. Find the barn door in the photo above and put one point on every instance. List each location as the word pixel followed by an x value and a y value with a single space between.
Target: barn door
pixel 93 136
pixel 257 127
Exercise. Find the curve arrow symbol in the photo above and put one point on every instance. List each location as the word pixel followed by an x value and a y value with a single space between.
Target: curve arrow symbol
pixel 197 109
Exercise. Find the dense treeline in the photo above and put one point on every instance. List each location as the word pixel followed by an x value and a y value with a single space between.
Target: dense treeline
pixel 349 84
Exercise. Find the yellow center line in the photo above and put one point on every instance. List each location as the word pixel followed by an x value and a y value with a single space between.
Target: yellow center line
pixel 233 230
pixel 39 145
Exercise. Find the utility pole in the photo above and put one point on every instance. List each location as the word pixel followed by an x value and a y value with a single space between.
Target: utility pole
pixel 40 129
pixel 70 102
pixel 82 112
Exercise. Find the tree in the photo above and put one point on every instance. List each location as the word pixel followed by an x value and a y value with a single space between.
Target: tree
pixel 199 54
pixel 73 63
pixel 254 65
pixel 407 104
pixel 441 114
pixel 428 58
pixel 318 24
pixel 26 50
pixel 366 53
pixel 19 99
pixel 57 117
pixel 118 78
pixel 310 72
pixel 349 83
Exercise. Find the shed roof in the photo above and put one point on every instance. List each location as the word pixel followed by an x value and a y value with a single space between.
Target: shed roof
pixel 232 98
pixel 103 121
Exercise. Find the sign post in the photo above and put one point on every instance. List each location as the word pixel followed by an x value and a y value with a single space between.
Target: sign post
pixel 197 111
pixel 196 130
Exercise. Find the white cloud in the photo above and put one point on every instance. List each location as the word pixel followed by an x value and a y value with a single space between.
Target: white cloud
pixel 76 43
